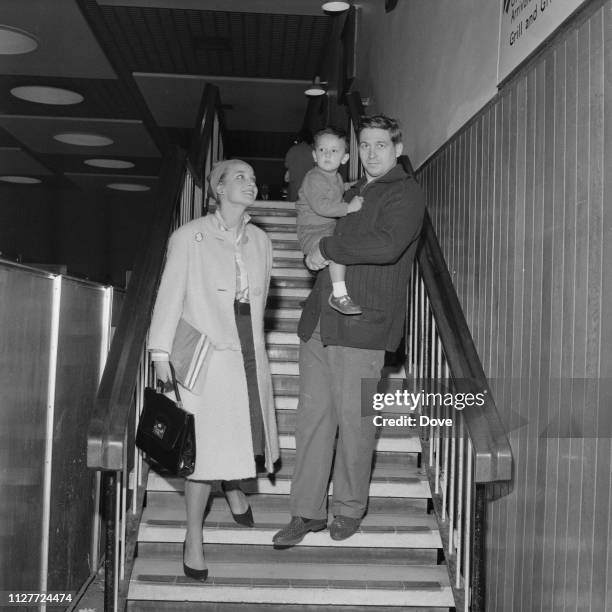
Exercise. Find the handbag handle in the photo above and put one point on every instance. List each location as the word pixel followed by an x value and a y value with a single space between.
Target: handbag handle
pixel 179 402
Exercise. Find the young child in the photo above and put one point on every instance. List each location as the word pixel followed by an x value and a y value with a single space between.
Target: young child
pixel 320 202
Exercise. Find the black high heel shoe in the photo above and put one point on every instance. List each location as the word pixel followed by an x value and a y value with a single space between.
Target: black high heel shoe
pixel 245 519
pixel 190 572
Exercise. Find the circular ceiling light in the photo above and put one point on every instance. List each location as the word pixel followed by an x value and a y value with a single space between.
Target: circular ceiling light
pixel 336 7
pixel 118 164
pixel 128 187
pixel 47 95
pixel 21 180
pixel 84 140
pixel 14 41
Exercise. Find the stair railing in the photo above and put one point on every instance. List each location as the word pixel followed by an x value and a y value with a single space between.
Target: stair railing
pixel 474 452
pixel 110 446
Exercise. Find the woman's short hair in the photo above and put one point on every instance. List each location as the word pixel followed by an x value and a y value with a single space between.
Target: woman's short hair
pixel 217 174
pixel 382 122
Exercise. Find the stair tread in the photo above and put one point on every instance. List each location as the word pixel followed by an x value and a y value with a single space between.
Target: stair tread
pixel 389 521
pixel 353 572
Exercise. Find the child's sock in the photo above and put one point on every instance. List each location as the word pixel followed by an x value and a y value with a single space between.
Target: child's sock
pixel 339 289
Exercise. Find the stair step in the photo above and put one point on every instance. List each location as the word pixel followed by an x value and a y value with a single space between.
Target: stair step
pixel 283 402
pixel 284 338
pixel 281 234
pixel 266 205
pixel 293 583
pixel 279 302
pixel 273 226
pixel 263 503
pixel 384 444
pixel 304 282
pixel 283 243
pixel 289 262
pixel 264 553
pixel 280 324
pixel 295 292
pixel 290 252
pixel 280 352
pixel 269 218
pixel 284 367
pixel 286 384
pixel 202 606
pixel 298 271
pixel 257 212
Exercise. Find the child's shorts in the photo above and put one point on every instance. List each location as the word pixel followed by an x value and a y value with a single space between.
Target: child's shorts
pixel 309 235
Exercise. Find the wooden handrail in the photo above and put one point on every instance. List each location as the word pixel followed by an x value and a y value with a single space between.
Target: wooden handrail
pixel 106 435
pixel 492 452
pixel 108 426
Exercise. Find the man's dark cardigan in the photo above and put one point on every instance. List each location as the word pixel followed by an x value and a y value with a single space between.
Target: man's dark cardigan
pixel 377 244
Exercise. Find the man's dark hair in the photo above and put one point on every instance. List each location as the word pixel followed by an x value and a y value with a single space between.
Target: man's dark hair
pixel 332 131
pixel 383 123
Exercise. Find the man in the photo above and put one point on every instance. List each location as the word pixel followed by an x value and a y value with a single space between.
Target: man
pixel 298 162
pixel 378 245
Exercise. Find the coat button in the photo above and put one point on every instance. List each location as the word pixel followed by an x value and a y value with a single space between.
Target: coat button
pixel 257 291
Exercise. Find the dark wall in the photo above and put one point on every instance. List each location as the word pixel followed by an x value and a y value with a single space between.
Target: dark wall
pixel 94 234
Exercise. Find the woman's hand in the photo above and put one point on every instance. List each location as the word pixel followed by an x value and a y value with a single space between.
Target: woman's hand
pixel 162 371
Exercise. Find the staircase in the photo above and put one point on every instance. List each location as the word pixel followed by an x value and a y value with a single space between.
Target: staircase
pixel 391 564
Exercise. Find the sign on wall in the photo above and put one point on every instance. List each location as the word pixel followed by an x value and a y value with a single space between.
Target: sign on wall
pixel 524 25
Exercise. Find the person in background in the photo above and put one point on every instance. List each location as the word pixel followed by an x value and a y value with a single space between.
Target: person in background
pixel 298 162
pixel 377 244
pixel 216 279
pixel 321 202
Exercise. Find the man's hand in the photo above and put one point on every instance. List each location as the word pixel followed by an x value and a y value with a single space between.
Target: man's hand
pixel 316 261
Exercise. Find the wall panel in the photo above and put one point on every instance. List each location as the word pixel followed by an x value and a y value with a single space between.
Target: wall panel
pixel 522 206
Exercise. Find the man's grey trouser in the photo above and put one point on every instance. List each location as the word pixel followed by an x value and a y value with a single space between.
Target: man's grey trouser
pixel 330 400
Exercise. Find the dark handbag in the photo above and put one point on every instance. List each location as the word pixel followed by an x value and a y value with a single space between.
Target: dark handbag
pixel 166 432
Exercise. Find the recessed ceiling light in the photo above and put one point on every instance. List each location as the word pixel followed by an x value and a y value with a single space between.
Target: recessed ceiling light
pixel 21 180
pixel 84 140
pixel 47 95
pixel 109 163
pixel 128 187
pixel 14 41
pixel 335 7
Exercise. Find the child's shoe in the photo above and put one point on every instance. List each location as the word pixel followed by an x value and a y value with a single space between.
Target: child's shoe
pixel 344 304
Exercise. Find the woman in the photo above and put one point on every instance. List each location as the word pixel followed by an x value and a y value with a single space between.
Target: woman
pixel 216 278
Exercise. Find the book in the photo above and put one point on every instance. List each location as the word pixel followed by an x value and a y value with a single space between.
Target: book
pixel 191 351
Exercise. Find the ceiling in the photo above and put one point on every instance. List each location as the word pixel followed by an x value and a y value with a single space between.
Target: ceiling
pixel 140 67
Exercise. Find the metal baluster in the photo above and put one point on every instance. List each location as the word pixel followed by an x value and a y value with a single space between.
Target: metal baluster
pixel 447 440
pixel 452 481
pixel 123 510
pixel 441 408
pixel 110 602
pixel 460 476
pixel 468 525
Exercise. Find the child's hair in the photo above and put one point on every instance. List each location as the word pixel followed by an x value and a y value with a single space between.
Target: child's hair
pixel 332 131
pixel 382 122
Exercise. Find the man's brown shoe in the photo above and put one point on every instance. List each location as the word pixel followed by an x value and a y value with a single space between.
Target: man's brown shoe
pixel 343 527
pixel 296 530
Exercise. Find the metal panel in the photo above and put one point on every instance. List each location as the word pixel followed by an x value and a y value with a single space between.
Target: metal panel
pixel 81 332
pixel 25 334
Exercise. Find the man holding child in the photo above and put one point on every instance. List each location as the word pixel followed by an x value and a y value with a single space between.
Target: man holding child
pixel 377 244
